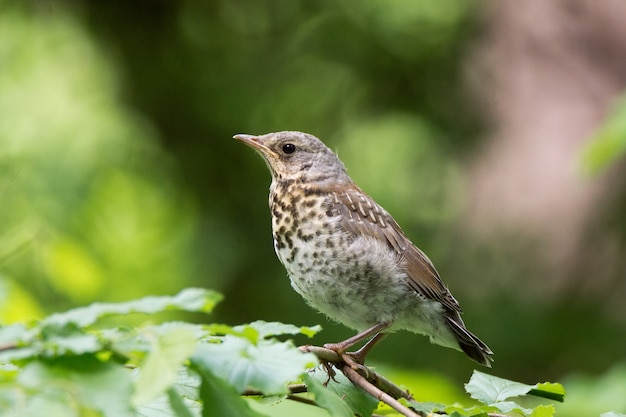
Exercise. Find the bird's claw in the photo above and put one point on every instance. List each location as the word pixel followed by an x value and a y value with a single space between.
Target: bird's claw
pixel 328 367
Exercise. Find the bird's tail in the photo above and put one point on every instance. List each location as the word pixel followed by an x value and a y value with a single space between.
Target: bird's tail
pixel 470 344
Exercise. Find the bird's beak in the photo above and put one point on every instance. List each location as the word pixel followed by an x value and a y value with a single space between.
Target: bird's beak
pixel 256 143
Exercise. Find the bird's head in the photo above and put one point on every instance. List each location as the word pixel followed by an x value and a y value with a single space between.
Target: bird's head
pixel 297 156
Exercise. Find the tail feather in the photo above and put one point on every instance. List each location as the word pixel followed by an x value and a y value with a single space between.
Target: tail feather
pixel 470 344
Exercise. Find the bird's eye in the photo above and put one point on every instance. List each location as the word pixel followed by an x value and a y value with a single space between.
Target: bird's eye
pixel 289 148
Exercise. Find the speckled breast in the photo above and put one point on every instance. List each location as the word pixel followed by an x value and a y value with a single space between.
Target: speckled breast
pixel 327 267
pixel 304 227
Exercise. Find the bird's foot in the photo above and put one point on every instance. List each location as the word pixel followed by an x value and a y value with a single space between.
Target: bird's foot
pixel 338 348
pixel 354 360
pixel 356 357
pixel 330 371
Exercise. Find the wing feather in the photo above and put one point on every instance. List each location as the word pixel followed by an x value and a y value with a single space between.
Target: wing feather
pixel 362 216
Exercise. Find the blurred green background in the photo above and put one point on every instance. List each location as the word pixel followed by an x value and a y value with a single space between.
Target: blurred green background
pixel 119 177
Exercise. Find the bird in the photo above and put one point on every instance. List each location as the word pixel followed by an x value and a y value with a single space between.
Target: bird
pixel 347 256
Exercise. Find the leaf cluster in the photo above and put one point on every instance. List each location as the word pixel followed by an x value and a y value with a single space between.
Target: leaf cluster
pixel 66 365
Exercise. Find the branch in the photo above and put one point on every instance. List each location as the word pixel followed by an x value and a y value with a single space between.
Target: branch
pixel 361 376
pixel 358 380
pixel 293 389
pixel 368 380
pixel 365 378
pixel 8 346
pixel 370 375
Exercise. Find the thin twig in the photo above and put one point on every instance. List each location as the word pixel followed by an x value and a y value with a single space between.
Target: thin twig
pixel 370 375
pixel 377 379
pixel 368 380
pixel 358 380
pixel 297 388
pixel 293 389
pixel 322 353
pixel 8 346
pixel 302 400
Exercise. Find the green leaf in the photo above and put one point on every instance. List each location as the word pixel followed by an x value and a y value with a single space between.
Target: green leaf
pixel 17 354
pixel 77 344
pixel 475 411
pixel 360 402
pixel 490 389
pixel 12 333
pixel 543 411
pixel 512 407
pixel 8 372
pixel 181 398
pixel 13 339
pixel 190 299
pixel 103 388
pixel 178 405
pixel 268 365
pixel 549 390
pixel 266 329
pixel 160 369
pixel 261 329
pixel 425 408
pixel 327 399
pixel 219 398
pixel 187 384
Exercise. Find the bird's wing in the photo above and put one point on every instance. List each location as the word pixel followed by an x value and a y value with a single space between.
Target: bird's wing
pixel 362 216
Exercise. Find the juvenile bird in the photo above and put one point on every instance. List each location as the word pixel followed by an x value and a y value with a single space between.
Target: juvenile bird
pixel 347 257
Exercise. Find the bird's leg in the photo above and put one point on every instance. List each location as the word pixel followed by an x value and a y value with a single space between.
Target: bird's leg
pixel 375 330
pixel 359 355
pixel 328 367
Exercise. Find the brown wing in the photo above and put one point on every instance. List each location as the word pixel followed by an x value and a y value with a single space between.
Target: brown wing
pixel 363 216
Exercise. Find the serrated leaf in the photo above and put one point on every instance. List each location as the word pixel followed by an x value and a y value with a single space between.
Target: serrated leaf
pixel 190 299
pixel 360 402
pixel 543 411
pixel 11 334
pixel 267 366
pixel 158 372
pixel 489 389
pixel 219 329
pixel 103 388
pixel 260 330
pixel 76 344
pixel 17 354
pixel 187 384
pixel 512 407
pixel 266 329
pixel 475 411
pixel 178 405
pixel 40 404
pixel 549 390
pixel 183 393
pixel 327 399
pixel 13 339
pixel 425 408
pixel 219 398
pixel 170 406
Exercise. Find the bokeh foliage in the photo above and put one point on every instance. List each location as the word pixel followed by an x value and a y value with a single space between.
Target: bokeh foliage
pixel 90 204
pixel 118 177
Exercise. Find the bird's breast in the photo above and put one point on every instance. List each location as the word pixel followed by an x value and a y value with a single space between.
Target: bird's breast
pixel 306 232
pixel 350 278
